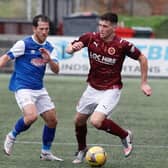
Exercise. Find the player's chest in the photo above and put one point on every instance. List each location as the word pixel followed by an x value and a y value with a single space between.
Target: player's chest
pixel 106 49
pixel 105 53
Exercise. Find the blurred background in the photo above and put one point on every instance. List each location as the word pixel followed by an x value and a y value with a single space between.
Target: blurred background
pixel 144 22
pixel 144 18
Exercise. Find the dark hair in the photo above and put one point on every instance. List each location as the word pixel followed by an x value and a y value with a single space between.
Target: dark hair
pixel 40 17
pixel 112 17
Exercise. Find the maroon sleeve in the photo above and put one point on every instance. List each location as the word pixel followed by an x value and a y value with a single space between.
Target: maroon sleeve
pixel 131 50
pixel 85 38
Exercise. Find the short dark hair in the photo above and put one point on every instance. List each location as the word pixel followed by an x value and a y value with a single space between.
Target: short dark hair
pixel 112 17
pixel 40 17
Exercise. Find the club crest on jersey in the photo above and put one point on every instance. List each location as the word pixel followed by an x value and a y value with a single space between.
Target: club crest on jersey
pixel 111 51
pixel 32 51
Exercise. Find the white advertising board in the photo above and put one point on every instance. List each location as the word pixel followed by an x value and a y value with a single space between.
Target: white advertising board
pixel 156 51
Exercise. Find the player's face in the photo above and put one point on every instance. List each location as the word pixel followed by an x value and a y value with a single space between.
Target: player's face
pixel 106 30
pixel 41 31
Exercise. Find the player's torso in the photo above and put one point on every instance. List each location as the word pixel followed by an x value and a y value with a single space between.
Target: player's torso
pixel 31 60
pixel 106 54
pixel 106 58
pixel 30 67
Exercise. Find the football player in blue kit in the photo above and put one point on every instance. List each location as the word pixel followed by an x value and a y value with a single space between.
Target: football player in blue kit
pixel 31 55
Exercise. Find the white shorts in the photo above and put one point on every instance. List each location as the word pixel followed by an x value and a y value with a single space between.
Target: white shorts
pixel 39 98
pixel 103 101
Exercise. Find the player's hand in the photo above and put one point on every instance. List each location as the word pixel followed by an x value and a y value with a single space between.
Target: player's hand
pixel 77 46
pixel 45 54
pixel 146 89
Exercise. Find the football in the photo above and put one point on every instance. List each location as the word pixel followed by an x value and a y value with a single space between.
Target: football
pixel 96 156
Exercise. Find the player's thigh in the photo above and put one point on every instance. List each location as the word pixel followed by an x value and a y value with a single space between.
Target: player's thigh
pixel 26 103
pixel 44 102
pixel 88 101
pixel 24 97
pixel 108 102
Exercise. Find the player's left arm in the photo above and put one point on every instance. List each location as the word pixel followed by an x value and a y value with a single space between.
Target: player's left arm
pixel 54 66
pixel 145 87
pixel 51 59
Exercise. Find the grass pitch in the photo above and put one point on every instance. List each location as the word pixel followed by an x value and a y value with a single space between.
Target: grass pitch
pixel 147 117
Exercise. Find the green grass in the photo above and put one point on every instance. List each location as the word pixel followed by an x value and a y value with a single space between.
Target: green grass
pixel 157 23
pixel 146 116
pixel 16 9
pixel 148 21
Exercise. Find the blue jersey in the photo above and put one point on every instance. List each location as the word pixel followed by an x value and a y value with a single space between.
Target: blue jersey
pixel 29 66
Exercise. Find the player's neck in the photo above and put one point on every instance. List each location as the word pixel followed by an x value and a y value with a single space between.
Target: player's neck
pixel 109 38
pixel 37 40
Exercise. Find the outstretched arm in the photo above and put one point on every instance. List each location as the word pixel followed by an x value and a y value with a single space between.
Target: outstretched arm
pixel 76 46
pixel 146 89
pixel 3 60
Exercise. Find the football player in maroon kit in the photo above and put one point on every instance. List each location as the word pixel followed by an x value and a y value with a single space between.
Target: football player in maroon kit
pixel 106 55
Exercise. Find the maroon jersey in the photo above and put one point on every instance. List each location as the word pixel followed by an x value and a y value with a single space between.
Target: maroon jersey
pixel 106 60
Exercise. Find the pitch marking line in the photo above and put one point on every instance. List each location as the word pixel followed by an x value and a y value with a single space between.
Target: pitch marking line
pixel 105 145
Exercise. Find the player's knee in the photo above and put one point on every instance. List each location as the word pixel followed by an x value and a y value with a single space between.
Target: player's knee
pixel 96 123
pixel 30 119
pixel 52 123
pixel 79 121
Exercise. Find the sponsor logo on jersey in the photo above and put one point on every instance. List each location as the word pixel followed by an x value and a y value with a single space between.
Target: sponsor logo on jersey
pixel 38 62
pixel 102 59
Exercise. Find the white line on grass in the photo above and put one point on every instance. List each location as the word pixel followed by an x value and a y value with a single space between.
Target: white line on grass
pixel 105 145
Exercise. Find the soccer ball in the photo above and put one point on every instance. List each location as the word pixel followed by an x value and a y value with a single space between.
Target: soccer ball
pixel 96 156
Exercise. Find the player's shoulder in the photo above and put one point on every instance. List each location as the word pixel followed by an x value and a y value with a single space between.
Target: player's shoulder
pixel 120 40
pixel 19 44
pixel 27 39
pixel 90 34
pixel 49 45
pixel 87 37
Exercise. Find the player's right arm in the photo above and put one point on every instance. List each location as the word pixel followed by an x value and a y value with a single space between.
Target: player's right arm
pixel 3 60
pixel 76 46
pixel 16 51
